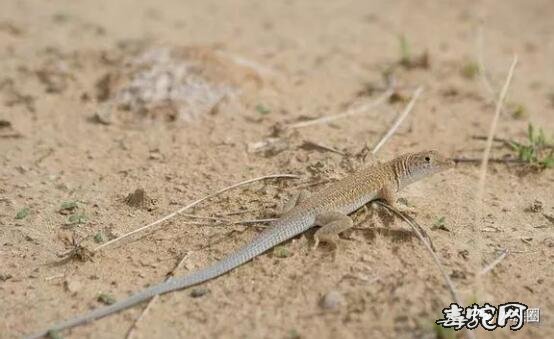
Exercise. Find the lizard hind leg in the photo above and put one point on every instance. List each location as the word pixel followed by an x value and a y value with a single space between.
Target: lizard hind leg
pixel 332 223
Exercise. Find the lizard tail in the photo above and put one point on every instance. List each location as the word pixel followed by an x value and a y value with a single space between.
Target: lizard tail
pixel 280 231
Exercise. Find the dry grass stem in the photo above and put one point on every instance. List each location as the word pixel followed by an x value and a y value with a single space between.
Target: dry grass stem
pixel 352 111
pixel 194 203
pixel 490 136
pixel 417 230
pixel 428 245
pixel 398 121
pixel 495 262
pixel 131 332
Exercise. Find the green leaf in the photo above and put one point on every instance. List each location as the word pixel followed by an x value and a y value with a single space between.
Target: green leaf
pixel 470 70
pixel 444 333
pixel 281 252
pixel 548 162
pixel 440 224
pixel 53 334
pixel 106 298
pixel 99 237
pixel 262 109
pixel 22 213
pixel 68 206
pixel 77 219
pixel 530 133
pixel 405 54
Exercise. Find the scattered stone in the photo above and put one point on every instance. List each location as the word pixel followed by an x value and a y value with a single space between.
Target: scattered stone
pixel 136 199
pixel 332 300
pixel 5 276
pixel 549 242
pixel 72 286
pixel 457 274
pixel 464 254
pixel 535 207
pixel 139 199
pixel 269 146
pixel 7 131
pixel 397 97
pixel 103 115
pixel 199 292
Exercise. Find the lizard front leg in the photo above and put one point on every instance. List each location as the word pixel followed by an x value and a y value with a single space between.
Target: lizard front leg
pixel 388 194
pixel 332 223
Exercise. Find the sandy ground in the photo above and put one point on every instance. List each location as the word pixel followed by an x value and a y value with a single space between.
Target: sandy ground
pixel 100 98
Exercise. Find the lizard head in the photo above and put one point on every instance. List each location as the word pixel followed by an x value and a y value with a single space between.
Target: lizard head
pixel 414 166
pixel 429 162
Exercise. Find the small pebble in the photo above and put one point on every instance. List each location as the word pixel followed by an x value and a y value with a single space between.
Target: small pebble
pixel 535 207
pixel 332 300
pixel 549 242
pixel 72 286
pixel 198 292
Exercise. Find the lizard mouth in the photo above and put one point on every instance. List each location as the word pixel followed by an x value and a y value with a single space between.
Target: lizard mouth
pixel 449 163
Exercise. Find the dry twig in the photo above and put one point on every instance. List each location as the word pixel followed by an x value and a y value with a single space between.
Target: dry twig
pixel 352 111
pixel 495 262
pixel 194 203
pixel 428 245
pixel 131 332
pixel 486 153
pixel 398 121
pixel 417 229
pixel 495 160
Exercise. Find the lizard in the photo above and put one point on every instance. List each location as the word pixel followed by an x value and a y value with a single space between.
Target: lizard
pixel 327 208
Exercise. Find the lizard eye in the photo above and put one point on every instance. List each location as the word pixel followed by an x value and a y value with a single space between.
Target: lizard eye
pixel 427 158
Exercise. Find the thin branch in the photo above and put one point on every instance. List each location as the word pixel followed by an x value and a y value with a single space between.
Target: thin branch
pixel 416 228
pixel 353 111
pixel 255 66
pixel 245 222
pixel 171 215
pixel 218 221
pixel 307 145
pixel 495 160
pixel 428 245
pixel 398 121
pixel 495 262
pixel 131 332
pixel 486 153
pixel 510 143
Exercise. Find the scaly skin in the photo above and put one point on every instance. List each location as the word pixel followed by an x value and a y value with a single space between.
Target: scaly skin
pixel 327 208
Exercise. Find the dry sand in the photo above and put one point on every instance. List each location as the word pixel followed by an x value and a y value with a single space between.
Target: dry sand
pixel 100 98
